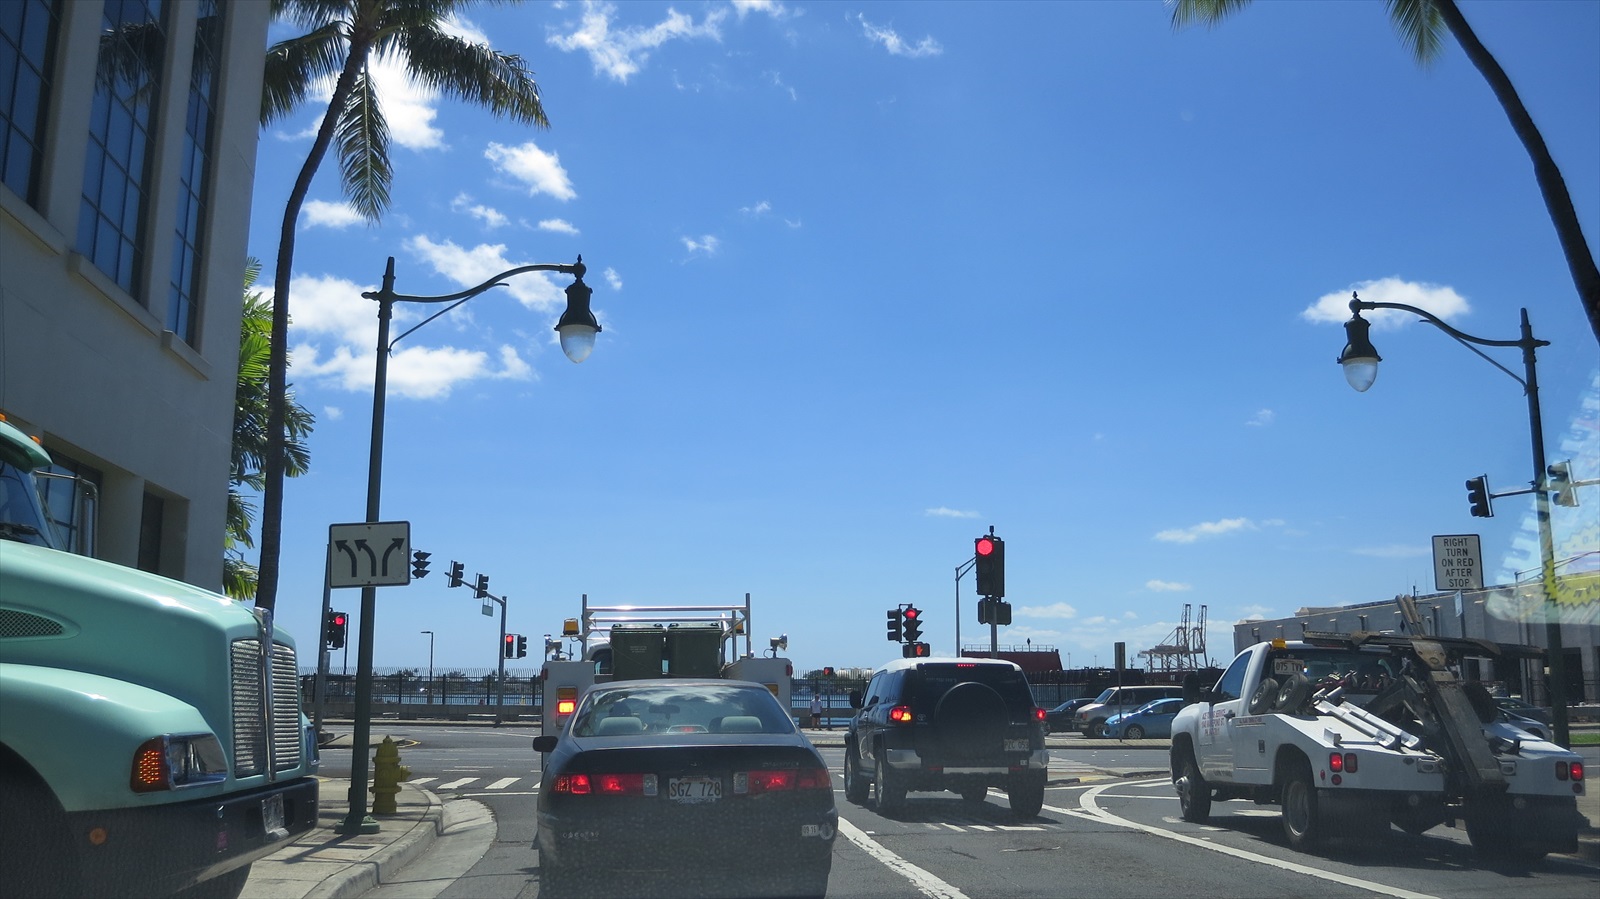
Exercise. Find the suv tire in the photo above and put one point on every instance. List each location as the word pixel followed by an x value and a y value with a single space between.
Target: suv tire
pixel 855 786
pixel 971 720
pixel 891 790
pixel 1026 792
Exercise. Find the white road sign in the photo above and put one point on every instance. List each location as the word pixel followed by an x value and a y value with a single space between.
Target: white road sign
pixel 1457 562
pixel 370 554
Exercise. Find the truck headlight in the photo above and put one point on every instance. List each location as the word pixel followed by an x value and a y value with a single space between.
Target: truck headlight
pixel 175 761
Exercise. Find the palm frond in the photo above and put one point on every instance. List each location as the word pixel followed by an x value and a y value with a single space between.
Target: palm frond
pixel 1420 26
pixel 363 144
pixel 1209 13
pixel 499 82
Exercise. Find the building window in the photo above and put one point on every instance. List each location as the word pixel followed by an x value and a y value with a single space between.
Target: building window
pixel 72 502
pixel 184 286
pixel 116 169
pixel 28 30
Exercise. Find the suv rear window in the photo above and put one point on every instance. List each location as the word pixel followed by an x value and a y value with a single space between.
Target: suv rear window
pixel 931 681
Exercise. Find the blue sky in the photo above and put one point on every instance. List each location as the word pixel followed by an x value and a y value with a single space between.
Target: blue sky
pixel 876 276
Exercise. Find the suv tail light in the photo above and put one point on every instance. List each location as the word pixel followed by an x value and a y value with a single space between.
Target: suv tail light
pixel 1038 714
pixel 900 714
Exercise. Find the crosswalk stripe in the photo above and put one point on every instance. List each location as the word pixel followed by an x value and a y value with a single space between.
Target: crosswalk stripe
pixel 458 784
pixel 419 781
pixel 502 783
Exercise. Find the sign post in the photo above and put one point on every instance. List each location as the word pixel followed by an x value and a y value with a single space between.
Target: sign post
pixel 1457 562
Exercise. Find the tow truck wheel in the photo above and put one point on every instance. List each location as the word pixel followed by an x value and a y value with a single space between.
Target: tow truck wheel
pixel 1194 794
pixel 1490 835
pixel 891 792
pixel 1301 818
pixel 855 786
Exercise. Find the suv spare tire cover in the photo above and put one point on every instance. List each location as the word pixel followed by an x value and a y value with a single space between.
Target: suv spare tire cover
pixel 971 720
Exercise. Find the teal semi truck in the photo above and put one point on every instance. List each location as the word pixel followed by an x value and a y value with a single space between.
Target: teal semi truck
pixel 151 738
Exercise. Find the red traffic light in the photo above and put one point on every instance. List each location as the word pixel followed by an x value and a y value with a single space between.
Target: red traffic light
pixel 339 619
pixel 912 613
pixel 985 546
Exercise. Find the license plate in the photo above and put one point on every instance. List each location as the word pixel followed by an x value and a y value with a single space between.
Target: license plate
pixel 272 817
pixel 694 789
pixel 1019 745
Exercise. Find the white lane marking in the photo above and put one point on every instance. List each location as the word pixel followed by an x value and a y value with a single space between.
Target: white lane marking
pixel 1087 803
pixel 457 784
pixel 926 884
pixel 502 783
pixel 419 781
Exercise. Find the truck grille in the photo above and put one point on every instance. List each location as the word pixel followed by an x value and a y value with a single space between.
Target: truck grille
pixel 249 739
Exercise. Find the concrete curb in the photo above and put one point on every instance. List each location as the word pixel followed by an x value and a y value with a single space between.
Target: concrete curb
pixel 325 864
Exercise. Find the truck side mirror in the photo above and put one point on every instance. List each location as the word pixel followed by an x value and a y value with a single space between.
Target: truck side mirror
pixel 855 699
pixel 1192 691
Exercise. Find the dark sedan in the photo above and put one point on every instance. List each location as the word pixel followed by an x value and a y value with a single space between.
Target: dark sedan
pixel 683 788
pixel 1060 717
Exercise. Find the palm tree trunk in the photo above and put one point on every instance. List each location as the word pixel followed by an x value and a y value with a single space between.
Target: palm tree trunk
pixel 278 365
pixel 1554 188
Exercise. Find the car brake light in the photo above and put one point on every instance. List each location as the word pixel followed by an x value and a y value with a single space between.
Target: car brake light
pixel 754 783
pixel 1038 714
pixel 1577 770
pixel 572 784
pixel 1341 761
pixel 900 714
pixel 606 784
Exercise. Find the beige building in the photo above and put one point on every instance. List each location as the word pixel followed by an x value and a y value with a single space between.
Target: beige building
pixel 124 217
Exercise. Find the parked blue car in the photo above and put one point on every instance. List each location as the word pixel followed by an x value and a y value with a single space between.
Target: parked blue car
pixel 1153 719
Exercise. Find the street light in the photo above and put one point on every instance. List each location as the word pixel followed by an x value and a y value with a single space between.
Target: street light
pixel 577 327
pixel 1360 361
pixel 430 666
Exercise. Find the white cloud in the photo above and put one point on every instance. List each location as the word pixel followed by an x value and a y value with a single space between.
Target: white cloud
pixel 491 218
pixel 559 226
pixel 1438 299
pixel 706 245
pixel 771 7
pixel 620 53
pixel 540 171
pixel 332 413
pixel 1262 419
pixel 1205 529
pixel 760 208
pixel 1167 586
pixel 321 213
pixel 471 267
pixel 943 512
pixel 612 278
pixel 896 45
pixel 1054 610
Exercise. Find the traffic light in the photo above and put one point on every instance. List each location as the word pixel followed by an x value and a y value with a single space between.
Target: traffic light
pixel 994 611
pixel 419 563
pixel 990 567
pixel 912 630
pixel 894 626
pixel 480 589
pixel 457 574
pixel 915 651
pixel 1478 497
pixel 827 671
pixel 1561 484
pixel 522 647
pixel 510 650
pixel 335 628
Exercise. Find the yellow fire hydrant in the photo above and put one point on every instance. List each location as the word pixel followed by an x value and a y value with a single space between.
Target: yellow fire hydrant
pixel 387 773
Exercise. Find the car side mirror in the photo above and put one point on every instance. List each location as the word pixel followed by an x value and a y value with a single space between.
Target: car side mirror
pixel 855 699
pixel 544 743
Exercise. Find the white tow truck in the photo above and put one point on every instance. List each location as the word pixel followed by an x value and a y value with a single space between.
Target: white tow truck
pixel 1350 733
pixel 630 642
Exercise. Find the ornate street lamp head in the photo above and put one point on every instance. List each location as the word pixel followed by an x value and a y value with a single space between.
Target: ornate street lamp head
pixel 578 325
pixel 1359 358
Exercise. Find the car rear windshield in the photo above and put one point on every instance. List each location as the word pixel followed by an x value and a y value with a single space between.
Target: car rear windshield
pixel 692 709
pixel 930 682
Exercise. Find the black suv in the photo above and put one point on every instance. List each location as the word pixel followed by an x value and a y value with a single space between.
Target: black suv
pixel 963 725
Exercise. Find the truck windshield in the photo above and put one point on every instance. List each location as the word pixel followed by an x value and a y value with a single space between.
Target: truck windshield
pixel 21 517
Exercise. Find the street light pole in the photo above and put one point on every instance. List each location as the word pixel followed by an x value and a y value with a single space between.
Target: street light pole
pixel 430 666
pixel 1360 360
pixel 577 327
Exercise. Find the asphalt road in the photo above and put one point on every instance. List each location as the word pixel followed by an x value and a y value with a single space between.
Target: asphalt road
pixel 1102 836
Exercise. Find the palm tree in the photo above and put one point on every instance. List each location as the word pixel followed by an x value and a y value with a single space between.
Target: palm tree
pixel 250 437
pixel 341 37
pixel 1421 25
